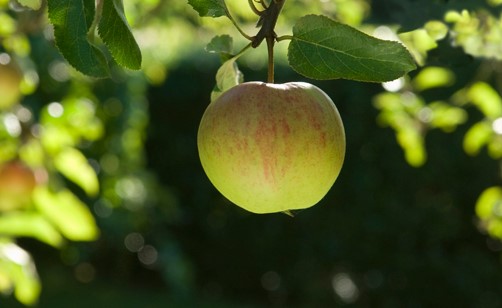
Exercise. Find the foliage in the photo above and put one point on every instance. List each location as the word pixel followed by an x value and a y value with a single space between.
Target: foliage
pixel 412 115
pixel 75 24
pixel 322 48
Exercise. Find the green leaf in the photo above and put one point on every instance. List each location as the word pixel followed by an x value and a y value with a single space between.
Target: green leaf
pixel 476 137
pixel 488 101
pixel 209 8
pixel 220 44
pixel 228 76
pixel 72 21
pixel 489 210
pixel 436 29
pixel 433 77
pixel 114 29
pixel 495 148
pixel 322 48
pixel 73 165
pixel 34 225
pixel 446 117
pixel 67 212
pixel 32 4
pixel 18 266
pixel 412 143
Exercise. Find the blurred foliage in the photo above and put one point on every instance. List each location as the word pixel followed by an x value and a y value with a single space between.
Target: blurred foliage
pixel 121 208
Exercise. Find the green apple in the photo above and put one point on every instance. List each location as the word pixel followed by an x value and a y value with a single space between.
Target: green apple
pixel 17 182
pixel 272 147
pixel 10 78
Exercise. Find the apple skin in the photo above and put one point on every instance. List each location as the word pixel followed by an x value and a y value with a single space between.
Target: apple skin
pixel 272 147
pixel 10 78
pixel 17 182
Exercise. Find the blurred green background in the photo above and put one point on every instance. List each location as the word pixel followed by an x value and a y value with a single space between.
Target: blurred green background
pixel 410 221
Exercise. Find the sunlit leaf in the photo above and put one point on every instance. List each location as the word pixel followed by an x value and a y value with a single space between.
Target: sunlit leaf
pixel 114 30
pixel 54 138
pixel 419 42
pixel 489 210
pixel 19 267
pixel 446 117
pixel 412 143
pixel 228 76
pixel 436 29
pixel 67 212
pixel 72 21
pixel 32 152
pixel 74 165
pixel 322 48
pixel 24 224
pixel 488 101
pixel 476 137
pixel 209 8
pixel 478 33
pixel 433 77
pixel 495 2
pixel 32 4
pixel 495 148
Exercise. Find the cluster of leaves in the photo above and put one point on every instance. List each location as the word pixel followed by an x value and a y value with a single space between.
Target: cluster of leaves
pixel 411 110
pixel 49 146
pixel 76 25
pixel 49 119
pixel 320 48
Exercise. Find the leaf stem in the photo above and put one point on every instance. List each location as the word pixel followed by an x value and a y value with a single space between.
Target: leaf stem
pixel 284 37
pixel 254 8
pixel 242 50
pixel 267 22
pixel 237 25
pixel 263 4
pixel 97 17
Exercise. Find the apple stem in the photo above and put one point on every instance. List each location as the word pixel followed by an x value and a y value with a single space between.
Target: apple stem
pixel 270 49
pixel 267 21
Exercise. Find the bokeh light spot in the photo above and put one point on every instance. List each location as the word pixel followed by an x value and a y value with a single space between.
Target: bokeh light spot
pixel 497 126
pixel 271 281
pixel 55 109
pixel 12 125
pixel 134 242
pixel 4 58
pixel 148 255
pixel 345 288
pixel 85 272
pixel 394 85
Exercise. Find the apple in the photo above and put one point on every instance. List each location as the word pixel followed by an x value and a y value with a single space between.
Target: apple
pixel 272 147
pixel 17 182
pixel 10 78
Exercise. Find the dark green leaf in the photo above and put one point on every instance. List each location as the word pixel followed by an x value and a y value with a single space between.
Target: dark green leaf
pixel 72 21
pixel 209 8
pixel 220 44
pixel 322 48
pixel 223 45
pixel 116 34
